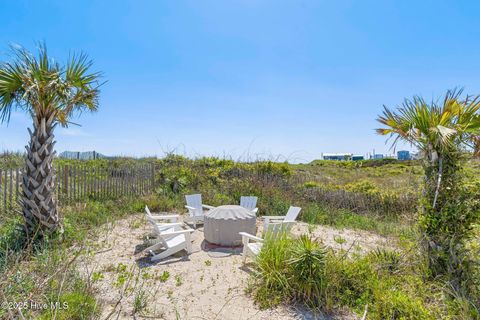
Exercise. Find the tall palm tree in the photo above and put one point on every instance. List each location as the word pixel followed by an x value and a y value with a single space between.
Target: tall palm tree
pixel 51 94
pixel 442 132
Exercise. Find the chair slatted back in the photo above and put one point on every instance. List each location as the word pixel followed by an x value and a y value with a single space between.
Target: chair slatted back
pixel 194 200
pixel 149 216
pixel 249 202
pixel 292 214
pixel 147 211
pixel 160 238
pixel 155 226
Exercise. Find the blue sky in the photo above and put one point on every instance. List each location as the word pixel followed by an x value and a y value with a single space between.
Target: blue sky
pixel 245 78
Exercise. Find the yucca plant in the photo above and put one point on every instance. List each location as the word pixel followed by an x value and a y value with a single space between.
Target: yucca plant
pixel 444 132
pixel 307 265
pixel 51 94
pixel 388 260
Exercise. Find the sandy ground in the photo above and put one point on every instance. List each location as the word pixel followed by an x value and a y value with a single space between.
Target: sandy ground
pixel 352 241
pixel 208 284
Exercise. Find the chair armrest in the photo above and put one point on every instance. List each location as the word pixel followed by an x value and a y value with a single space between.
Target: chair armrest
pixel 255 210
pixel 274 217
pixel 250 236
pixel 168 225
pixel 208 207
pixel 267 220
pixel 190 208
pixel 281 223
pixel 174 233
pixel 165 217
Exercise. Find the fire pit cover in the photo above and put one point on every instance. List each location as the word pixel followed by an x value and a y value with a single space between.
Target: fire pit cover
pixel 222 225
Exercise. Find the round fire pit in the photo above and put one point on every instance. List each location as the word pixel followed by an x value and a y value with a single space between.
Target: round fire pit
pixel 222 225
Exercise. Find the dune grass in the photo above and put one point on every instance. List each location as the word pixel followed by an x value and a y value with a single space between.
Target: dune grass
pixel 394 285
pixel 37 275
pixel 384 283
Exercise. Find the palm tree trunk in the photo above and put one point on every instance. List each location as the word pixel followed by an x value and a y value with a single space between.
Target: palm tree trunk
pixel 476 146
pixel 439 181
pixel 39 207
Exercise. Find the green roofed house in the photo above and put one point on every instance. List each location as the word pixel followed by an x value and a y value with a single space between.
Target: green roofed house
pixel 342 156
pixel 337 156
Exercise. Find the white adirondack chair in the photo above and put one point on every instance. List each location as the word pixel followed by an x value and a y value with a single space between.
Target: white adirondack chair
pixel 195 208
pixel 251 245
pixel 271 223
pixel 171 241
pixel 156 221
pixel 249 203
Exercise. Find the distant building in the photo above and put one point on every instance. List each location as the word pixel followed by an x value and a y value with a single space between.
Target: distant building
pixel 89 155
pixel 403 155
pixel 337 156
pixel 377 156
pixel 342 156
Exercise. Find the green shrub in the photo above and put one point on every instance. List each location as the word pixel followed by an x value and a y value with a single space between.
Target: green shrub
pixel 281 169
pixel 12 241
pixel 363 186
pixel 311 184
pixel 397 304
pixel 300 270
pixel 272 283
pixel 221 199
pixel 307 269
pixel 73 306
pixel 11 160
pixel 388 260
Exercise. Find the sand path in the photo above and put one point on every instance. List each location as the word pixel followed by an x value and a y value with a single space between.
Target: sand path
pixel 208 284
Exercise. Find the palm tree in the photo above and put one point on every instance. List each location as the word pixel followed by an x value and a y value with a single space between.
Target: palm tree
pixel 436 130
pixel 442 132
pixel 51 94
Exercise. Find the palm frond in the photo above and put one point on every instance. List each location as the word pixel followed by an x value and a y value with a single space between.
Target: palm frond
pixel 436 125
pixel 42 87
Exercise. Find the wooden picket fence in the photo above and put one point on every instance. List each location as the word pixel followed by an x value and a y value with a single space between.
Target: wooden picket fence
pixel 10 180
pixel 77 182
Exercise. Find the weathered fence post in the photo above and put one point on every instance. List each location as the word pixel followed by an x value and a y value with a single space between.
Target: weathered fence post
pixel 152 178
pixel 5 191
pixel 0 188
pixel 17 180
pixel 11 189
pixel 65 182
pixel 84 182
